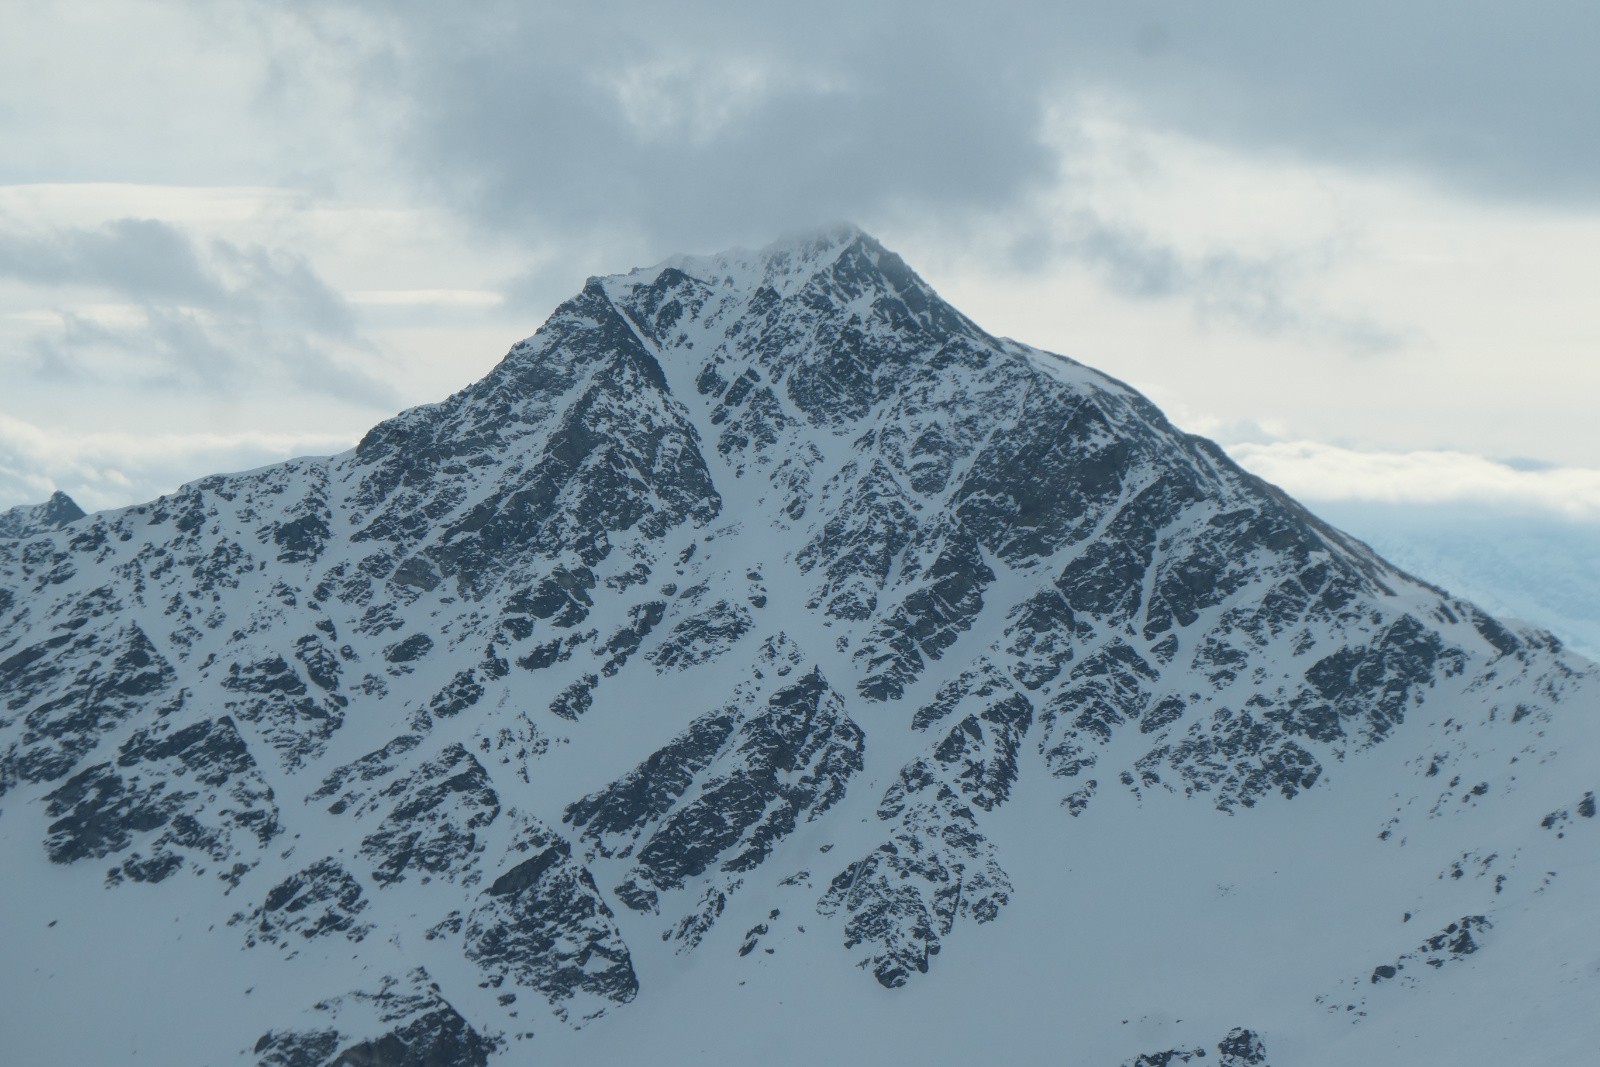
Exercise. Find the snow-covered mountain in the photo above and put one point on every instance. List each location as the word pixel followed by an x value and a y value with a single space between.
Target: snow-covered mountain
pixel 765 662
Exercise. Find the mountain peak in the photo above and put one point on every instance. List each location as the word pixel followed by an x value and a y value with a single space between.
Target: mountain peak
pixel 784 265
pixel 28 520
pixel 838 271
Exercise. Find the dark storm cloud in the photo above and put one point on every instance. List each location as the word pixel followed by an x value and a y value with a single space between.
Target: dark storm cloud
pixel 700 123
pixel 695 125
pixel 1483 96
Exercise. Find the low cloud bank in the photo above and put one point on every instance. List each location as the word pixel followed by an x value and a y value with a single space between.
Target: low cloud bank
pixel 1317 472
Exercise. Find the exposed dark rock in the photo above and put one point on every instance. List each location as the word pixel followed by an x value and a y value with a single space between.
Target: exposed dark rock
pixel 463 691
pixel 301 539
pixel 197 786
pixel 423 1030
pixel 1049 574
pixel 1104 691
pixel 613 819
pixel 902 898
pixel 321 900
pixel 542 925
pixel 1455 942
pixel 274 699
pixel 296 1048
pixel 438 1039
pixel 752 938
pixel 351 779
pixel 412 648
pixel 68 691
pixel 857 548
pixel 927 621
pixel 96 815
pixel 1242 1048
pixel 702 637
pixel 434 814
pixel 321 664
pixel 1040 481
pixel 642 620
pixel 1238 758
pixel 575 699
pixel 1041 634
pixel 1167 1058
pixel 1374 685
pixel 790 762
pixel 979 754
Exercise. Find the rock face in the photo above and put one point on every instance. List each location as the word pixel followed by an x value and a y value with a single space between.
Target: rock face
pixel 764 583
pixel 319 901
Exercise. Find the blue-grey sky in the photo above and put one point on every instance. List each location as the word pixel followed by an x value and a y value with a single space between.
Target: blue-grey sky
pixel 1353 241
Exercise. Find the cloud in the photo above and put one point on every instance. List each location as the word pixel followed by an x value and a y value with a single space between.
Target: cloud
pixel 1206 253
pixel 1259 291
pixel 1321 472
pixel 632 114
pixel 622 131
pixel 701 126
pixel 153 262
pixel 186 315
pixel 1476 95
pixel 709 123
pixel 139 258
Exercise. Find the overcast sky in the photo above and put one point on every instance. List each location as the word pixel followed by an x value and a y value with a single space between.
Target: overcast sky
pixel 1356 242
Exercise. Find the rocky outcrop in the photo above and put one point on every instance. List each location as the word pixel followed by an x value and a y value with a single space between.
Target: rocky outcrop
pixel 431 821
pixel 1240 1048
pixel 190 796
pixel 319 901
pixel 788 760
pixel 405 1023
pixel 543 926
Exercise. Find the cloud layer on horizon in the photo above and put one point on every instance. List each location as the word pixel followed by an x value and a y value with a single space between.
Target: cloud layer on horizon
pixel 1315 471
